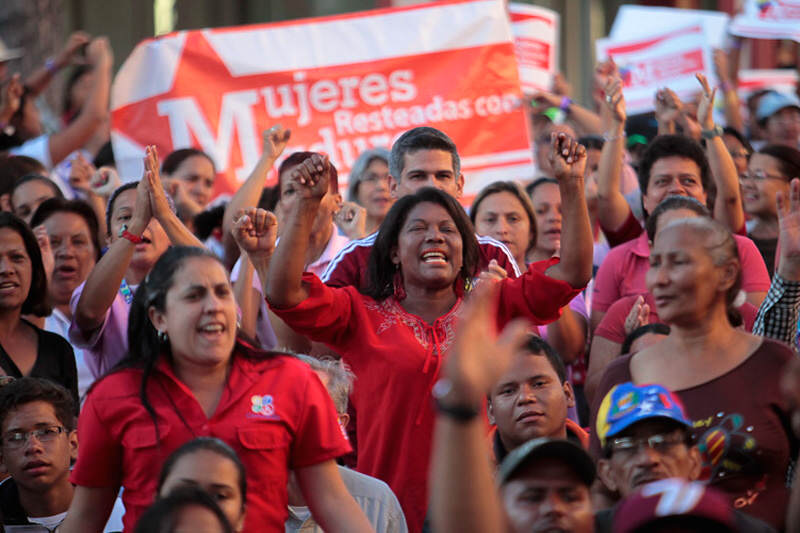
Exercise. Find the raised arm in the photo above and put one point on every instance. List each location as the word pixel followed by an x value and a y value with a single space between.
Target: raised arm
pixel 105 278
pixel 587 122
pixel 733 111
pixel 568 160
pixel 255 231
pixel 612 208
pixel 41 77
pixel 464 497
pixel 94 111
pixel 274 142
pixel 728 204
pixel 178 233
pixel 284 287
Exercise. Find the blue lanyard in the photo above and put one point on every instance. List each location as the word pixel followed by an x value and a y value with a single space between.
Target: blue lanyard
pixel 126 292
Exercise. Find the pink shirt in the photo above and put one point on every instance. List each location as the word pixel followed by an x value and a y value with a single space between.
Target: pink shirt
pixel 624 269
pixel 108 345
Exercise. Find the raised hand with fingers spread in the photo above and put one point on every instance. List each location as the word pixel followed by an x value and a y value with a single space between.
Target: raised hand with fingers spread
pixel 705 109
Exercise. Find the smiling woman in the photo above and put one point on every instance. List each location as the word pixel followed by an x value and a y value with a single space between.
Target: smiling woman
pixel 396 333
pixel 26 350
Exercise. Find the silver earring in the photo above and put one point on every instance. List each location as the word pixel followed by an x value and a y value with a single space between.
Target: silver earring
pixel 162 336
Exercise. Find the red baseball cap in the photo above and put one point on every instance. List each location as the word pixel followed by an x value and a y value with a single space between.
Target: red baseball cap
pixel 669 498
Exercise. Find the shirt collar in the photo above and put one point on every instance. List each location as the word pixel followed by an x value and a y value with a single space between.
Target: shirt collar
pixel 641 246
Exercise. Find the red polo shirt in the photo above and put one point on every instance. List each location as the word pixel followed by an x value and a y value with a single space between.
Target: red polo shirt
pixel 274 412
pixel 396 357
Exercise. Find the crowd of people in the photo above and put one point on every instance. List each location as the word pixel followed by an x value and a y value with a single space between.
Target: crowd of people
pixel 607 344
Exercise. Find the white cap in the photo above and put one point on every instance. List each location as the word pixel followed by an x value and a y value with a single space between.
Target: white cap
pixel 7 53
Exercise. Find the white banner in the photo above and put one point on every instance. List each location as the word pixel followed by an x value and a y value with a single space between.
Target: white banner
pixel 638 22
pixel 535 32
pixel 775 19
pixel 668 60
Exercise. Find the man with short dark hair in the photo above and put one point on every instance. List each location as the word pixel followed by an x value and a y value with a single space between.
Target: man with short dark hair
pixel 779 116
pixel 645 436
pixel 531 401
pixel 421 157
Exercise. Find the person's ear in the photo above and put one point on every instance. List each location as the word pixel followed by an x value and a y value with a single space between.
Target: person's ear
pixel 157 318
pixel 606 474
pixel 460 185
pixel 5 202
pixel 569 393
pixel 73 446
pixel 490 411
pixel 695 463
pixel 394 255
pixel 729 271
pixel 344 420
pixel 394 183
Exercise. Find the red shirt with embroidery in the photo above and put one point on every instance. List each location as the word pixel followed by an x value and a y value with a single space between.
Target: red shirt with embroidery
pixel 349 267
pixel 274 412
pixel 396 357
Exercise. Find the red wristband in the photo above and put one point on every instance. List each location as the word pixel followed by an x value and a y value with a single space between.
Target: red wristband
pixel 135 239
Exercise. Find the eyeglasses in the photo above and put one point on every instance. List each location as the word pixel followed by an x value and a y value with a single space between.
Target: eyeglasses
pixel 760 176
pixel 18 439
pixel 660 442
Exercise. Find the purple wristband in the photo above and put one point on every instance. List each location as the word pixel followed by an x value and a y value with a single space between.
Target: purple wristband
pixel 566 101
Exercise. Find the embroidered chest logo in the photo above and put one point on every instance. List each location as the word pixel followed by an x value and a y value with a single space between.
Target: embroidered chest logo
pixel 262 407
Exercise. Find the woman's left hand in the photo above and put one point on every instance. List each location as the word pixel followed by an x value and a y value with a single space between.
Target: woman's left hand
pixel 48 257
pixel 352 220
pixel 567 157
pixel 255 231
pixel 705 108
pixel 159 204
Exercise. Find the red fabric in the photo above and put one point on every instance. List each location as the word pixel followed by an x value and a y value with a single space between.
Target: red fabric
pixel 396 358
pixel 623 271
pixel 629 230
pixel 349 267
pixel 612 327
pixel 119 445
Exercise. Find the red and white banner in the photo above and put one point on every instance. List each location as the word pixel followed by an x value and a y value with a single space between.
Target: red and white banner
pixel 768 19
pixel 535 32
pixel 342 84
pixel 668 60
pixel 753 80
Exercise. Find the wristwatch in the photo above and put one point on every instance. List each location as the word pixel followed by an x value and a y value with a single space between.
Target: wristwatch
pixel 459 412
pixel 125 234
pixel 716 131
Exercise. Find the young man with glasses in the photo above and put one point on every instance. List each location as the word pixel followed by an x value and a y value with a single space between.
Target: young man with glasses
pixel 645 437
pixel 38 443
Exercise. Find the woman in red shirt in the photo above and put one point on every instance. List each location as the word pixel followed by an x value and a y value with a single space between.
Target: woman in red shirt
pixel 395 335
pixel 186 376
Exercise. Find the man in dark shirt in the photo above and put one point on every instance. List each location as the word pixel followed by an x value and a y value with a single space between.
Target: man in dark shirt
pixel 531 401
pixel 39 442
pixel 645 437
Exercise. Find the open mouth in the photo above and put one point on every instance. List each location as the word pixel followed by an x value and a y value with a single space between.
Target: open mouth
pixel 66 271
pixel 436 257
pixel 8 286
pixel 212 330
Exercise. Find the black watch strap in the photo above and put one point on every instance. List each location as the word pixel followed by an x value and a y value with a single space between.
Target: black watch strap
pixel 459 413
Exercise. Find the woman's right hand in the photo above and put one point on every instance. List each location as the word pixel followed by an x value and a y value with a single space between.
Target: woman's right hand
pixel 311 177
pixel 48 257
pixel 99 53
pixel 255 231
pixel 142 211
pixel 614 100
pixel 274 142
pixel 789 236
pixel 638 316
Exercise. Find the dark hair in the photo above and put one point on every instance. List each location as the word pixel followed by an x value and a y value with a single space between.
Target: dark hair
pixel 671 203
pixel 105 156
pixel 36 303
pixel 34 177
pixel 68 110
pixel 590 142
pixel 669 146
pixel 538 346
pixel 421 138
pixel 511 188
pixel 210 444
pixel 381 269
pixel 269 198
pixel 176 159
pixel 52 206
pixel 656 327
pixel 788 159
pixel 295 159
pixel 162 516
pixel 531 187
pixel 205 222
pixel 13 167
pixel 113 198
pixel 27 389
pixel 733 132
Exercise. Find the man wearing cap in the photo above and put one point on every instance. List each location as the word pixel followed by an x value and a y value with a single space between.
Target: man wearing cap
pixel 645 437
pixel 531 400
pixel 779 116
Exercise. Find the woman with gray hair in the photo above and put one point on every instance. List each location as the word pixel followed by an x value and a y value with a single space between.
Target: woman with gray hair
pixel 369 186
